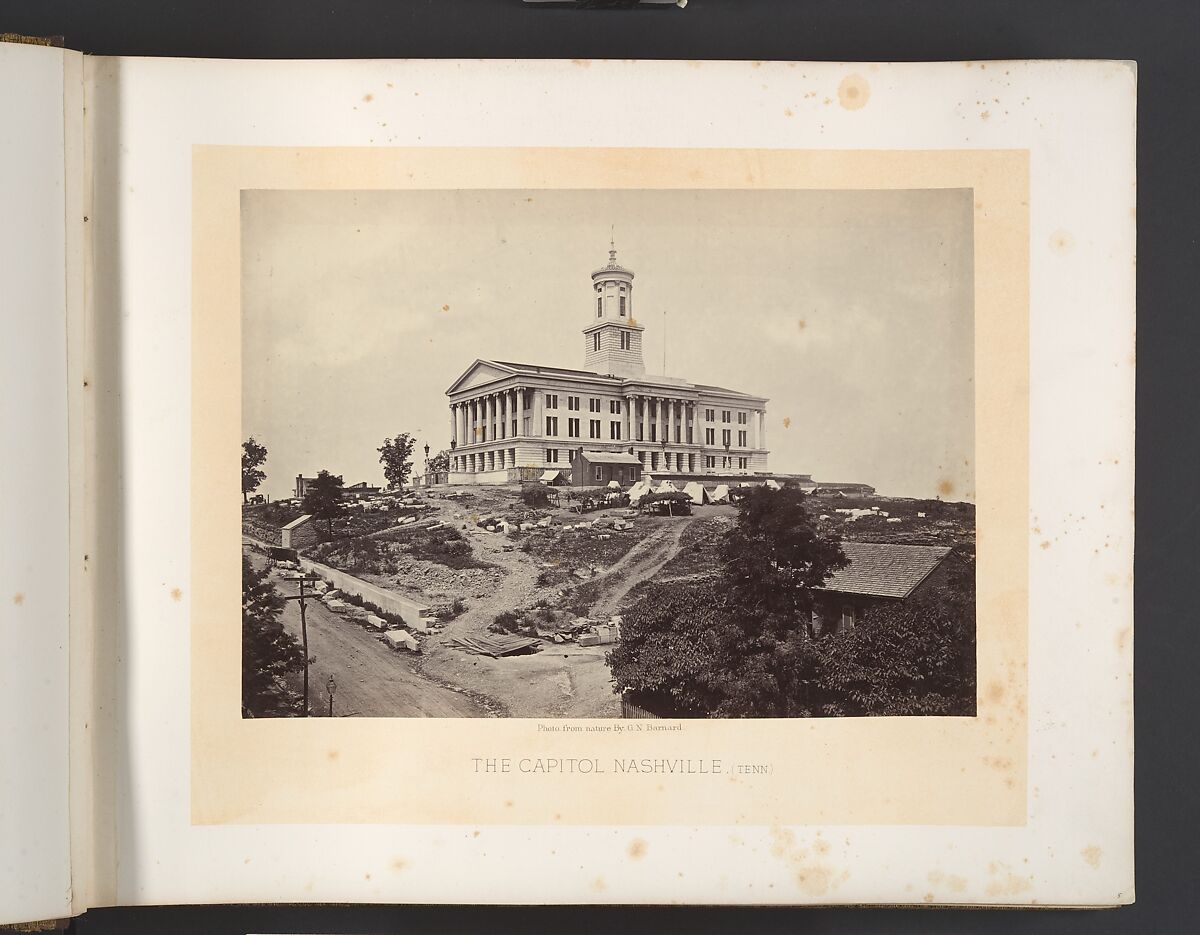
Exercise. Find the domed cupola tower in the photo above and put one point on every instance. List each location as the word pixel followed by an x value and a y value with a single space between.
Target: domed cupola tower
pixel 613 339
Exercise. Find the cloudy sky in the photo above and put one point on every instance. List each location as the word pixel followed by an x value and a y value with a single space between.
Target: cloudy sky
pixel 851 311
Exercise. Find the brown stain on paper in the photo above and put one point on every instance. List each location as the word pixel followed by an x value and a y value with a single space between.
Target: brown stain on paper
pixel 1061 242
pixel 813 877
pixel 636 849
pixel 787 422
pixel 18 598
pixel 1091 856
pixel 854 92
pixel 945 487
pixel 176 595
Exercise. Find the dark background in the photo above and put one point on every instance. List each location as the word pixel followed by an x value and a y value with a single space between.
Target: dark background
pixel 1161 35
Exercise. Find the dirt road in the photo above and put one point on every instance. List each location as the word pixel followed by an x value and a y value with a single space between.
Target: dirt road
pixel 563 680
pixel 372 680
pixel 639 564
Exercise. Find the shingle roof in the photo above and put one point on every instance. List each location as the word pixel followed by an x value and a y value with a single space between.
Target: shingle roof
pixel 884 569
pixel 610 457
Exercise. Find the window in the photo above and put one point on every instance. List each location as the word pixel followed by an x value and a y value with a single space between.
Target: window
pixel 622 306
pixel 593 405
pixel 625 339
pixel 571 454
pixel 614 431
pixel 551 400
pixel 689 434
pixel 596 341
pixel 572 428
pixel 724 415
pixel 599 472
pixel 691 462
pixel 599 306
pixel 710 436
pixel 551 425
pixel 573 403
pixel 741 418
pixel 593 428
pixel 552 455
pixel 742 439
pixel 742 463
pixel 710 415
pixel 847 617
pixel 614 406
pixel 725 437
pixel 710 461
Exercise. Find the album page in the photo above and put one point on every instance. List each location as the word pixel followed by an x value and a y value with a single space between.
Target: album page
pixel 40 242
pixel 633 482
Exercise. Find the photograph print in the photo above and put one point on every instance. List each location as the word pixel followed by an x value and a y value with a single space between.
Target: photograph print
pixel 608 453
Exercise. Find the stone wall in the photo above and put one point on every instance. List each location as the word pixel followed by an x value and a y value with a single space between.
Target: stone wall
pixel 409 611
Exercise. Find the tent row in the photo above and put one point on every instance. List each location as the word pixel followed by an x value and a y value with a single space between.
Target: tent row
pixel 694 489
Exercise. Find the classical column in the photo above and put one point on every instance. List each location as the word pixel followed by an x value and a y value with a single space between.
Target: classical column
pixel 539 414
pixel 627 422
pixel 645 400
pixel 514 417
pixel 762 428
pixel 453 425
pixel 463 439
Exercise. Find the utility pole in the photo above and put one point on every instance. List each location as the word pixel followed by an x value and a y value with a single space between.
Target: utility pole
pixel 303 598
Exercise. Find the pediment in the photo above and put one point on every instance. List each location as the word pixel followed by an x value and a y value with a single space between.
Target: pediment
pixel 479 373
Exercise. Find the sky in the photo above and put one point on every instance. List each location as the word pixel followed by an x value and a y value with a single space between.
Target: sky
pixel 852 311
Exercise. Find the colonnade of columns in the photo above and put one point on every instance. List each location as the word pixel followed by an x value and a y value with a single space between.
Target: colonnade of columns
pixel 501 414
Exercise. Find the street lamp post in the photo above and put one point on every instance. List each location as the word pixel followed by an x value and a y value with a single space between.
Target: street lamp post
pixel 331 687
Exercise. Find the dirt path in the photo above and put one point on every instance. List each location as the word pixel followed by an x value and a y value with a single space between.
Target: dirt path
pixel 372 680
pixel 559 681
pixel 640 563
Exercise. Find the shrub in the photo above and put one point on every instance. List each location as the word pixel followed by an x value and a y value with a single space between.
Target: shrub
pixel 534 495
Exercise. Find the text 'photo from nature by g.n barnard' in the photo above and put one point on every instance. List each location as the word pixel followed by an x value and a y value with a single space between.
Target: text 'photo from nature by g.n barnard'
pixel 603 454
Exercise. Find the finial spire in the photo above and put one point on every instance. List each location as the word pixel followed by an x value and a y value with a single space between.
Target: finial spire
pixel 612 244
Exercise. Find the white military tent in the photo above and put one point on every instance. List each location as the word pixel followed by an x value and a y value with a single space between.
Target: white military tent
pixel 550 477
pixel 637 492
pixel 721 494
pixel 771 482
pixel 666 487
pixel 697 492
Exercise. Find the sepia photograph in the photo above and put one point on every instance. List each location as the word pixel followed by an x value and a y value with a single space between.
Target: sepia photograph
pixel 650 454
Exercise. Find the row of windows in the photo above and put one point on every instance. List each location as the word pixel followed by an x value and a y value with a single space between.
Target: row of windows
pixel 595 404
pixel 626 340
pixel 573 428
pixel 710 461
pixel 600 305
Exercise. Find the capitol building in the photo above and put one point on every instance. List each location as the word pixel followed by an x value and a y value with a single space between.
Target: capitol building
pixel 512 421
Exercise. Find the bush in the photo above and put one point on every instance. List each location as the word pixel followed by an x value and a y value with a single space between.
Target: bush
pixel 534 495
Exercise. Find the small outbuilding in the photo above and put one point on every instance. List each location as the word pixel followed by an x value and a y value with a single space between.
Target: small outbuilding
pixel 300 532
pixel 598 468
pixel 552 478
pixel 878 573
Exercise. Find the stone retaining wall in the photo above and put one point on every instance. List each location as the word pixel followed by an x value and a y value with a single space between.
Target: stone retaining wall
pixel 409 611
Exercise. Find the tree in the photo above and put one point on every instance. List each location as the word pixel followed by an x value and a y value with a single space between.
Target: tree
pixel 323 498
pixel 269 652
pixel 254 456
pixel 744 647
pixel 774 557
pixel 440 462
pixel 395 454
